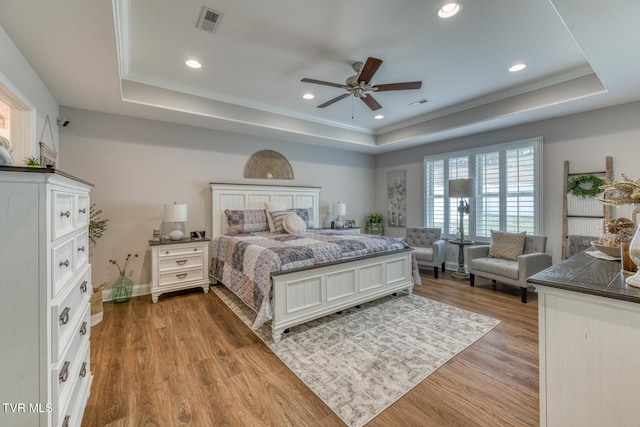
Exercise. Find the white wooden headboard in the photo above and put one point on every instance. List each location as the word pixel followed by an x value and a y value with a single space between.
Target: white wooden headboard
pixel 245 196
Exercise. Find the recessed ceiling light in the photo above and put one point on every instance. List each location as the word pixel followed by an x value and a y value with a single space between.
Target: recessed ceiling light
pixel 192 63
pixel 449 10
pixel 378 117
pixel 308 96
pixel 517 67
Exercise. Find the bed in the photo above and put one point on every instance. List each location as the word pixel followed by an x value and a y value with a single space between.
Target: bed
pixel 293 278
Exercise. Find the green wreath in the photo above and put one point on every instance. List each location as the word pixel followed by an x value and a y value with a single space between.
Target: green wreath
pixel 576 185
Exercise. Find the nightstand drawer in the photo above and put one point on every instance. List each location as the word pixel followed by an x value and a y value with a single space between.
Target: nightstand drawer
pixel 66 310
pixel 180 250
pixel 181 262
pixel 173 278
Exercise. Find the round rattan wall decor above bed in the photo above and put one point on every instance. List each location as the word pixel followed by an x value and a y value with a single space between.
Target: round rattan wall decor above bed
pixel 268 164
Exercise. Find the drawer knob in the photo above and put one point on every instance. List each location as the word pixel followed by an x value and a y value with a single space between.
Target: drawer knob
pixel 83 328
pixel 67 214
pixel 65 423
pixel 181 261
pixel 64 316
pixel 83 286
pixel 181 275
pixel 82 211
pixel 81 249
pixel 64 263
pixel 83 370
pixel 64 373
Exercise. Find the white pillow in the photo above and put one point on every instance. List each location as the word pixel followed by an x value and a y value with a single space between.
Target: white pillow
pixel 294 224
pixel 271 207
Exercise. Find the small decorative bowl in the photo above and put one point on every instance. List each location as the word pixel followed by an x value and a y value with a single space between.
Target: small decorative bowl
pixel 613 251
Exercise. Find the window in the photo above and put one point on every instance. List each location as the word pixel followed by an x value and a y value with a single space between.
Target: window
pixel 17 119
pixel 508 188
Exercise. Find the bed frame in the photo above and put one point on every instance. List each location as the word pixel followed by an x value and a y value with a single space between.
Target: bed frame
pixel 306 294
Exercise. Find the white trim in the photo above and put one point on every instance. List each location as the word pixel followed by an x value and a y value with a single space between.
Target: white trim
pixel 138 290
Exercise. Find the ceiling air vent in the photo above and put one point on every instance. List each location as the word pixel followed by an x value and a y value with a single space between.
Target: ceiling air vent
pixel 419 102
pixel 209 20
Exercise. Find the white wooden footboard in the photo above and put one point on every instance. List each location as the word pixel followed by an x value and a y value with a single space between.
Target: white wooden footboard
pixel 304 295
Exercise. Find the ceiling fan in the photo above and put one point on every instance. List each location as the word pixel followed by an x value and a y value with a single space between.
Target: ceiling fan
pixel 360 85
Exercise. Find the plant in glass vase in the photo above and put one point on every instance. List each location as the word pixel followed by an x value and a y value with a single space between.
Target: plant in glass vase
pixel 375 224
pixel 122 287
pixel 620 193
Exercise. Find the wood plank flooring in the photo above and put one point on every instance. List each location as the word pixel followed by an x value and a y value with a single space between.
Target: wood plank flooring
pixel 188 360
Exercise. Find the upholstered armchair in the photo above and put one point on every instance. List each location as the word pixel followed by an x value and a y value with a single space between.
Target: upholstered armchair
pixel 509 268
pixel 428 248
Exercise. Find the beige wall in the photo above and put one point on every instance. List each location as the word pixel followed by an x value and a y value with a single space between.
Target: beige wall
pixel 584 139
pixel 138 165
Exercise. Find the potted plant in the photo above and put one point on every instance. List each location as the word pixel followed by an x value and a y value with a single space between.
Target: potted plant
pixel 32 162
pixel 374 224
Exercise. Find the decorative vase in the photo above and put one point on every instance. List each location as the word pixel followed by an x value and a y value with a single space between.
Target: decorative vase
pixel 121 289
pixel 634 254
pixel 375 228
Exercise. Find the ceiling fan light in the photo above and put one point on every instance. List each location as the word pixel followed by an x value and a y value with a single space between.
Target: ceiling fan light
pixel 449 10
pixel 192 63
pixel 308 96
pixel 517 67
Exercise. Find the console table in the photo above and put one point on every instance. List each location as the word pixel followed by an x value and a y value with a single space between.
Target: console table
pixel 589 342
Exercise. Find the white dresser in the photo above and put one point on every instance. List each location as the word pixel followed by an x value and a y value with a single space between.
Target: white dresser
pixel 45 285
pixel 177 265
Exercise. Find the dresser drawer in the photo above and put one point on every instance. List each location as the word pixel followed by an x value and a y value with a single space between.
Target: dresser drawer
pixel 62 213
pixel 66 310
pixel 181 276
pixel 82 249
pixel 72 413
pixel 182 262
pixel 62 264
pixel 180 250
pixel 67 370
pixel 82 211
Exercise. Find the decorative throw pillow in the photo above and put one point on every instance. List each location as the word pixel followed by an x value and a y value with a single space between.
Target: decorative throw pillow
pixel 246 221
pixel 507 245
pixel 276 218
pixel 306 215
pixel 294 224
pixel 270 207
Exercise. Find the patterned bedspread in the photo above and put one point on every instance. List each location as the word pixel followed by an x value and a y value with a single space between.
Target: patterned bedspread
pixel 244 262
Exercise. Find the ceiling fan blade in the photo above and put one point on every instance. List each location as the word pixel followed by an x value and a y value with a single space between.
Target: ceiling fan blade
pixel 320 82
pixel 336 99
pixel 371 102
pixel 369 69
pixel 397 86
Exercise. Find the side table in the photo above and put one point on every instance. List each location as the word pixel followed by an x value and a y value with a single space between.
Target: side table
pixel 179 264
pixel 461 273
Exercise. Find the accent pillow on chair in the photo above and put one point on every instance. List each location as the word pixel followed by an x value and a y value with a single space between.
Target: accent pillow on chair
pixel 507 245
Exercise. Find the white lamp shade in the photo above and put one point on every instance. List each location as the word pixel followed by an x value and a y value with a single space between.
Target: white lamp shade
pixel 339 208
pixel 461 188
pixel 175 213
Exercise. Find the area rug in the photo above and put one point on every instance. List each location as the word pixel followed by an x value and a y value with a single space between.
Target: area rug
pixel 364 359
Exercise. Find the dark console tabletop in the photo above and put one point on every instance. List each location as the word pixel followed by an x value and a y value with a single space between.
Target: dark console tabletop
pixel 586 274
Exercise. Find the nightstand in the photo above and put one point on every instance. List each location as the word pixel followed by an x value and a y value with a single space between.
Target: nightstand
pixel 346 230
pixel 179 264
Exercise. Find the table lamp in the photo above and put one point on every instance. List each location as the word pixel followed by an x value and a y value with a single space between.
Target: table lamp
pixel 174 216
pixel 461 188
pixel 340 211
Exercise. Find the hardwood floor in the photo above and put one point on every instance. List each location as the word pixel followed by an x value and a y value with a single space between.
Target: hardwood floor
pixel 188 360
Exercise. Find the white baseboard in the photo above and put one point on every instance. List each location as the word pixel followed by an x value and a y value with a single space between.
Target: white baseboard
pixel 138 290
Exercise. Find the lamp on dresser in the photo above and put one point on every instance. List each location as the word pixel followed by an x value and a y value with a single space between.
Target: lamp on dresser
pixel 174 216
